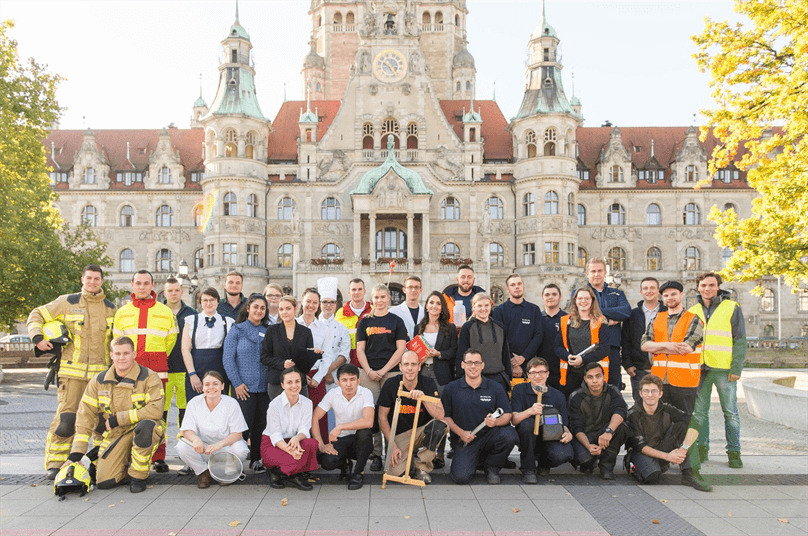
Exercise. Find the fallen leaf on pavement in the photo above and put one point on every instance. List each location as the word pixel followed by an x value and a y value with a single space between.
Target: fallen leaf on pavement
pixel 663 500
pixel 782 520
pixel 655 521
pixel 111 506
pixel 234 524
pixel 33 485
pixel 515 510
pixel 150 486
pixel 406 517
pixel 284 502
pixel 729 514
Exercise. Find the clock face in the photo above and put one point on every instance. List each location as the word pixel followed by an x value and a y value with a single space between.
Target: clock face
pixel 390 66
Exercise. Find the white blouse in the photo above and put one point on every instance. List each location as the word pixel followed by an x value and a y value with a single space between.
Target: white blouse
pixel 285 421
pixel 216 424
pixel 206 337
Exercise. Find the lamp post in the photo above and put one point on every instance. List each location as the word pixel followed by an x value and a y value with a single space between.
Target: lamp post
pixel 192 281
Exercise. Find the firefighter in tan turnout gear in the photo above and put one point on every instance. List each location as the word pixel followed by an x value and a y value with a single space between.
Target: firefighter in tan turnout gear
pixel 88 318
pixel 126 402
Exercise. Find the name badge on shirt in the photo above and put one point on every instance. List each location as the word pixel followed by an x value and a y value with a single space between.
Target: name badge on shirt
pixel 526 321
pixel 261 334
pixel 485 398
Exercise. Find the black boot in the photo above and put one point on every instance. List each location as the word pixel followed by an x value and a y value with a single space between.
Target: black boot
pixel 693 479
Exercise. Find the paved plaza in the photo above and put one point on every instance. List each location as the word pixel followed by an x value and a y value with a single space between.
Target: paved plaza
pixel 768 496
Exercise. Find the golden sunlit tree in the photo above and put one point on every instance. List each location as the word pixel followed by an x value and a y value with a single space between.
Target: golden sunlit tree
pixel 759 71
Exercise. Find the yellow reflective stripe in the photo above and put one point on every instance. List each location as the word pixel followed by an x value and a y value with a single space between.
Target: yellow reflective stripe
pixel 140 457
pixel 717 348
pixel 148 331
pixel 35 324
pixel 138 397
pixel 71 317
pixel 58 457
pixel 45 314
pixel 97 368
pixel 77 349
pixel 90 401
pixel 133 418
pixel 78 437
pixel 162 376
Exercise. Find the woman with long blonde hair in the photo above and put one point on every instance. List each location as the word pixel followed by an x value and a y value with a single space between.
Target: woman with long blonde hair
pixel 579 330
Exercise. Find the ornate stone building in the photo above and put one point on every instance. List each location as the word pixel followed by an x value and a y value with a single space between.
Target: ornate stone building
pixel 391 157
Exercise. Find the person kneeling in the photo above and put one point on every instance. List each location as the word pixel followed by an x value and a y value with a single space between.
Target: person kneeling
pixel 597 411
pixel 551 447
pixel 351 438
pixel 286 447
pixel 430 429
pixel 467 402
pixel 659 436
pixel 126 402
pixel 211 423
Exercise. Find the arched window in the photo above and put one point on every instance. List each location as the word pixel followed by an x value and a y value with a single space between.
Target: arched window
pixel 457 86
pixel 692 258
pixel 412 136
pixel 165 216
pixel 570 204
pixel 691 298
pixel 653 259
pixel 127 216
pixel 450 209
pixel 230 204
pixel 249 148
pixel 164 175
pixel 768 331
pixel 426 18
pixel 582 258
pixel 616 215
pixel 330 252
pixel 367 136
pixel 450 250
pixel 330 209
pixel 439 17
pixel 286 206
pixel 550 137
pixel 252 206
pixel 530 140
pixel 390 126
pixel 616 259
pixel 581 215
pixel 496 255
pixel 730 206
pixel 528 205
pixel 653 215
pixel 495 208
pixel 230 143
pixel 468 88
pixel 692 214
pixel 285 256
pixel 199 216
pixel 804 330
pixel 199 259
pixel 337 18
pixel 616 174
pixel 126 261
pixel 164 261
pixel 691 173
pixel 89 215
pixel 349 18
pixel 768 304
pixel 551 203
pixel 457 20
pixel 89 176
pixel 391 243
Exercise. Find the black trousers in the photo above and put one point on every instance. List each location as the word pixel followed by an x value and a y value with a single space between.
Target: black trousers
pixel 607 457
pixel 254 410
pixel 356 446
pixel 683 398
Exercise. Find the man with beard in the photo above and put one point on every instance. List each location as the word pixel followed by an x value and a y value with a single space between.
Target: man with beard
pixel 233 298
pixel 635 360
pixel 551 296
pixel 523 324
pixel 464 291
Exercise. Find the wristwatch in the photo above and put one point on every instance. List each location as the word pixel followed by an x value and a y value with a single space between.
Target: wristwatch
pixel 608 430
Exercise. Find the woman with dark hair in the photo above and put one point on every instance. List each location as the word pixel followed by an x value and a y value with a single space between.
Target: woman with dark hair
pixel 202 342
pixel 242 361
pixel 212 422
pixel 580 329
pixel 485 335
pixel 287 344
pixel 442 337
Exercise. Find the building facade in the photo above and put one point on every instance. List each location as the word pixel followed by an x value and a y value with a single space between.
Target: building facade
pixel 391 157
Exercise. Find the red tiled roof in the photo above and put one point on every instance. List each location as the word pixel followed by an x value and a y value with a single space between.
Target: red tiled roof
pixel 498 140
pixel 282 142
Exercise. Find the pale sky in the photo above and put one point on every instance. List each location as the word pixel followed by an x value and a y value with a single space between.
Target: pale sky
pixel 137 63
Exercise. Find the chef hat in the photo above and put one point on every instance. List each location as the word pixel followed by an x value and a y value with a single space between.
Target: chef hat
pixel 327 287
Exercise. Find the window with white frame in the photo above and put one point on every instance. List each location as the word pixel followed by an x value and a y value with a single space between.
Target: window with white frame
pixel 330 209
pixel 89 215
pixel 164 175
pixel 127 216
pixel 286 207
pixel 528 205
pixel 285 256
pixel 551 253
pixel 450 209
pixel 496 255
pixel 252 206
pixel 495 207
pixel 165 216
pixel 126 261
pixel 616 214
pixel 653 214
pixel 230 204
pixel 551 203
pixel 229 253
pixel 252 255
pixel 529 254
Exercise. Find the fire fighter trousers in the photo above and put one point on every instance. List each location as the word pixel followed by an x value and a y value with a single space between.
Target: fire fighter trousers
pixel 160 453
pixel 63 426
pixel 127 453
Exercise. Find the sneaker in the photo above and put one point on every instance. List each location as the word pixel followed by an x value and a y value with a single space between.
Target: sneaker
pixel 257 467
pixel 438 463
pixel 606 473
pixel 185 471
pixel 492 475
pixel 357 481
pixel 297 482
pixel 587 467
pixel 345 471
pixel 529 478
pixel 704 453
pixel 693 479
pixel 420 474
pixel 204 480
pixel 137 485
pixel 160 466
pixel 51 473
pixel 376 463
pixel 735 460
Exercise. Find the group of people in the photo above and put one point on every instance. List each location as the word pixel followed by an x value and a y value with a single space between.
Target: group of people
pixel 317 383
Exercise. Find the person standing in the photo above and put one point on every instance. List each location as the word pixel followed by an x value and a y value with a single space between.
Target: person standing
pixel 287 344
pixel 175 386
pixel 636 361
pixel 615 307
pixel 524 325
pixel 468 401
pixel 126 401
pixel 353 311
pixel 273 293
pixel 87 315
pixel 203 343
pixel 551 296
pixel 242 362
pixel 338 336
pixel 410 310
pixel 723 354
pixel 233 298
pixel 486 336
pixel 153 328
pixel 381 339
pixel 464 291
pixel 674 339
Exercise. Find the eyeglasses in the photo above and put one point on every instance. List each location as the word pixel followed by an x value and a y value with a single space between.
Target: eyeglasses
pixel 649 391
pixel 473 363
pixel 328 302
pixel 274 296
pixel 538 373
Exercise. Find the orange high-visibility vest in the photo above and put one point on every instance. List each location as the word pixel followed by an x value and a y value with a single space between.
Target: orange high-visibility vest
pixel 594 328
pixel 681 370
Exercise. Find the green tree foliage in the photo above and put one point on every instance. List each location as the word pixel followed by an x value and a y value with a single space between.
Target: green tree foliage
pixel 759 70
pixel 40 257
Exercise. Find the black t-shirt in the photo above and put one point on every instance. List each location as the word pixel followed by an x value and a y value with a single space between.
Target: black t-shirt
pixel 406 414
pixel 414 314
pixel 380 334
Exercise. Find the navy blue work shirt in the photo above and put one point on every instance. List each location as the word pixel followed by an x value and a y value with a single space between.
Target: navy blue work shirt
pixel 523 397
pixel 523 326
pixel 468 407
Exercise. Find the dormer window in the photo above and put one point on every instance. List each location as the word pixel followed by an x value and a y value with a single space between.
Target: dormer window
pixel 164 176
pixel 89 176
pixel 651 175
pixel 691 174
pixel 616 174
pixel 727 175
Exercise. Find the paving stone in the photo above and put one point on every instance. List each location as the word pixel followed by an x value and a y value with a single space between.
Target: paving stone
pixel 332 508
pixel 397 507
pixel 398 526
pixel 226 507
pixel 768 526
pixel 186 508
pixel 486 491
pixel 453 492
pixel 137 525
pixel 737 508
pixel 272 525
pixel 797 492
pixel 783 507
pixel 476 523
pixel 84 524
pixel 32 523
pixel 714 526
pixel 687 508
pixel 323 524
pixel 295 507
pixel 16 507
pixel 110 506
pixel 547 493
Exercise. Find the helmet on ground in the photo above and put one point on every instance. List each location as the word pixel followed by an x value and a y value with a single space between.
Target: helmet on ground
pixel 55 332
pixel 73 477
